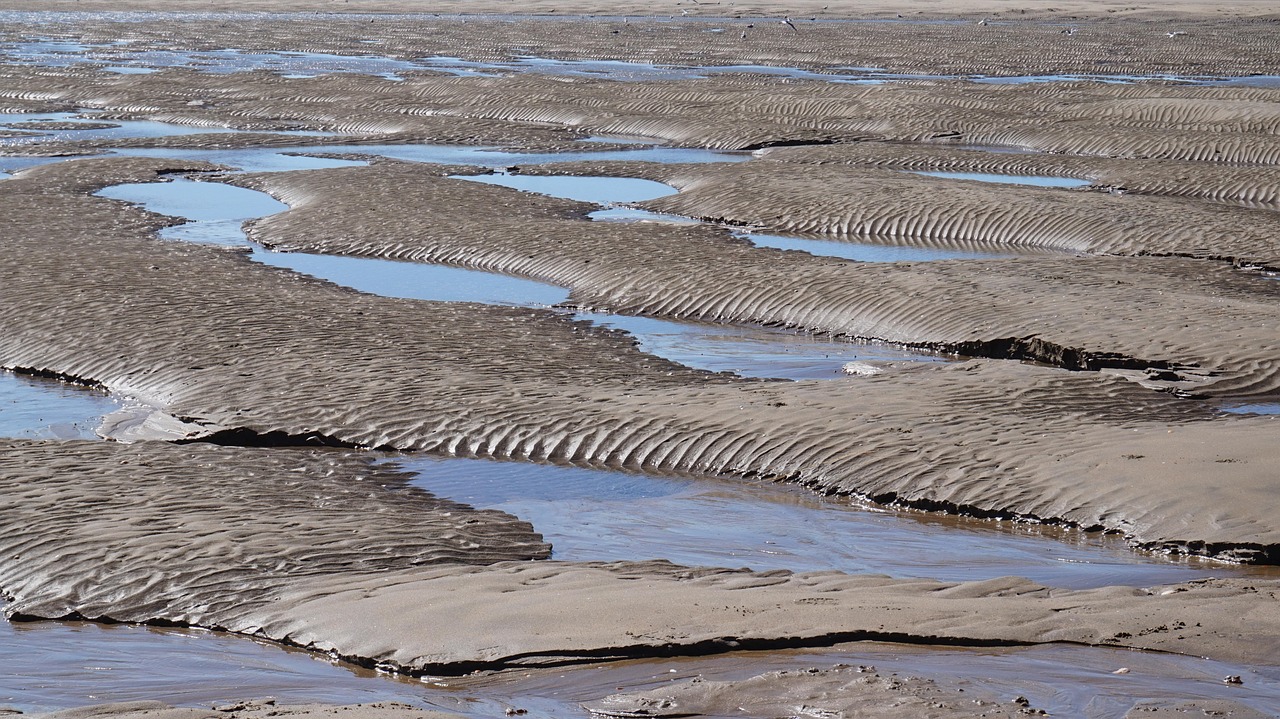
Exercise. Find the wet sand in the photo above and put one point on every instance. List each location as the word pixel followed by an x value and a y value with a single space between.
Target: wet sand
pixel 247 710
pixel 1089 399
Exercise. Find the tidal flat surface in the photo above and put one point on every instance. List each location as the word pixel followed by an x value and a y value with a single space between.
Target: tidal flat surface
pixel 592 514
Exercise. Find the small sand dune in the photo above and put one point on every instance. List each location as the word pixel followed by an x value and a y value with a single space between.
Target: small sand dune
pixel 192 532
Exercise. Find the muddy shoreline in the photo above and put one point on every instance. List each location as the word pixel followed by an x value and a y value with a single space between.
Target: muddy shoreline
pixel 1089 392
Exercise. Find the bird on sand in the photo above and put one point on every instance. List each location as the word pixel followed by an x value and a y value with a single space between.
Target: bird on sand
pixel 787 21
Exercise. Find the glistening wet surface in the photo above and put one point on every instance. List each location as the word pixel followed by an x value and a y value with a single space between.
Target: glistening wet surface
pixel 1064 681
pixel 600 190
pixel 591 514
pixel 489 157
pixel 255 159
pixel 868 251
pixel 296 158
pixel 1033 180
pixel 39 408
pixel 125 56
pixel 217 211
pixel 1252 408
pixel 63 127
pixel 610 192
pixel 750 351
pixel 45 666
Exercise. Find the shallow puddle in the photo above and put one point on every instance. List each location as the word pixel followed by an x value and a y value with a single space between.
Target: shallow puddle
pixel 46 666
pixel 867 251
pixel 417 281
pixel 631 214
pixel 296 158
pixel 42 128
pixel 61 123
pixel 128 58
pixel 600 190
pixel 488 157
pixel 38 408
pixel 256 159
pixel 590 514
pixel 1253 408
pixel 752 351
pixel 217 212
pixel 1034 180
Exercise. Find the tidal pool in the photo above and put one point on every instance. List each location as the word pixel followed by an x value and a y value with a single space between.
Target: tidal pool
pixel 591 514
pixel 1033 180
pixel 1252 408
pixel 868 251
pixel 599 190
pixel 753 351
pixel 47 666
pixel 93 129
pixel 39 408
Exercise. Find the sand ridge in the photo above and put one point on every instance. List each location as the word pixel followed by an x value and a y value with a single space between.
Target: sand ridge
pixel 153 526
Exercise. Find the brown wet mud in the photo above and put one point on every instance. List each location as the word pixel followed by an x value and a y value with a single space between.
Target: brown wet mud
pixel 1121 385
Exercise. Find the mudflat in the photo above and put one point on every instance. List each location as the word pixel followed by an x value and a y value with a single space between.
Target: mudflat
pixel 1093 361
